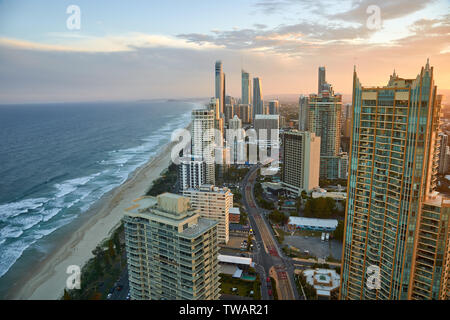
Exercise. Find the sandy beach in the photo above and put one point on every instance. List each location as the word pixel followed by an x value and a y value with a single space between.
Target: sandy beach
pixel 49 277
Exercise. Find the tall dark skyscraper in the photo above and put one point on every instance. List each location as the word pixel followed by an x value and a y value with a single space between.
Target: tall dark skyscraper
pixel 220 85
pixel 322 79
pixel 258 104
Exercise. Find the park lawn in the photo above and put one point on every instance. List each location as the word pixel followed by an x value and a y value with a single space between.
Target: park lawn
pixel 227 282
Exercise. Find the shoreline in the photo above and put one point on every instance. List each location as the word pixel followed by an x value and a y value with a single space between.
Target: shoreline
pixel 48 279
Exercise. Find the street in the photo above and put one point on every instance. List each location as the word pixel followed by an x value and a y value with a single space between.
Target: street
pixel 267 254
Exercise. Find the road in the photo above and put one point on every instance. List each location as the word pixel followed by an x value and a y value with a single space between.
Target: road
pixel 267 254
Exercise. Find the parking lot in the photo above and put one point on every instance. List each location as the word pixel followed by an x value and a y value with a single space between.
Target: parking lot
pixel 316 247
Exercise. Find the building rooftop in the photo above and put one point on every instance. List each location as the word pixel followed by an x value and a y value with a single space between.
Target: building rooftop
pixel 197 229
pixel 235 260
pixel 266 116
pixel 313 222
pixel 323 280
pixel 234 210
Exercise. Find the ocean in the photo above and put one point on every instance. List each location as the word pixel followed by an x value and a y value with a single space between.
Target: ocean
pixel 56 160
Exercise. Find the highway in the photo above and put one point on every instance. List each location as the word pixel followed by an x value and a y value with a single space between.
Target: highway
pixel 267 254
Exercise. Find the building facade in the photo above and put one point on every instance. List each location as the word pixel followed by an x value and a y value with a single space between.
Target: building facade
pixel 395 223
pixel 246 94
pixel 258 103
pixel 172 252
pixel 191 173
pixel 301 158
pixel 324 119
pixel 274 107
pixel 303 105
pixel 267 129
pixel 203 140
pixel 213 203
pixel 220 85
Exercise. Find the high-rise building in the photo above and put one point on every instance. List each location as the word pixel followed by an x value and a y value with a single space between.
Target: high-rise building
pixel 172 252
pixel 203 140
pixel 246 97
pixel 321 80
pixel 324 119
pixel 443 143
pixel 396 240
pixel 274 107
pixel 235 140
pixel 229 112
pixel 213 203
pixel 301 158
pixel 303 105
pixel 191 172
pixel 235 123
pixel 258 103
pixel 220 85
pixel 267 128
pixel 245 113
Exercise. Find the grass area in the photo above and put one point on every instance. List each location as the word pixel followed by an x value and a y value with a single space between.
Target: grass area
pixel 279 234
pixel 227 283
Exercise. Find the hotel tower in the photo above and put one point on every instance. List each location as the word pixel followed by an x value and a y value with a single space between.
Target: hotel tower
pixel 172 252
pixel 396 240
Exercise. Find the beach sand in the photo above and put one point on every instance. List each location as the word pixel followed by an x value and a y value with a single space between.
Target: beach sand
pixel 48 279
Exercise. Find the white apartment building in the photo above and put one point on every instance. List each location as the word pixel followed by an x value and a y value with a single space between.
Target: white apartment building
pixel 213 203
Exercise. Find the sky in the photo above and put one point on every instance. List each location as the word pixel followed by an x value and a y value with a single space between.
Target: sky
pixel 136 49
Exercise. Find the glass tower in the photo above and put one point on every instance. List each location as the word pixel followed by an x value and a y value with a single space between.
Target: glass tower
pixel 396 226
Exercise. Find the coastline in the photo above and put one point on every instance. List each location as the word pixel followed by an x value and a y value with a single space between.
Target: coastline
pixel 48 279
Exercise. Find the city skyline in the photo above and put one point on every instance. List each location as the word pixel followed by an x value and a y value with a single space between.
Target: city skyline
pixel 114 57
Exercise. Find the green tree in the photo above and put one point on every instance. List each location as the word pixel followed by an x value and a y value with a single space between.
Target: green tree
pixel 67 295
pixel 111 250
pixel 339 232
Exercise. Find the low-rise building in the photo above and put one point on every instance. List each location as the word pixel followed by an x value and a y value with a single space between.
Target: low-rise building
pixel 323 280
pixel 234 215
pixel 312 224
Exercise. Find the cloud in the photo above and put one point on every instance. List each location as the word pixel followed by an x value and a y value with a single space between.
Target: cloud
pixel 388 9
pixel 118 43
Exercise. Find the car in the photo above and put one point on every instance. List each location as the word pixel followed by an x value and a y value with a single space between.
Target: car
pixel 268 279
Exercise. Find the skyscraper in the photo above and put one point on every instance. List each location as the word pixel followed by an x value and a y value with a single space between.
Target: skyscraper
pixel 303 104
pixel 274 107
pixel 246 96
pixel 443 143
pixel 324 119
pixel 321 80
pixel 220 85
pixel 172 252
pixel 301 154
pixel 395 222
pixel 258 104
pixel 203 140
